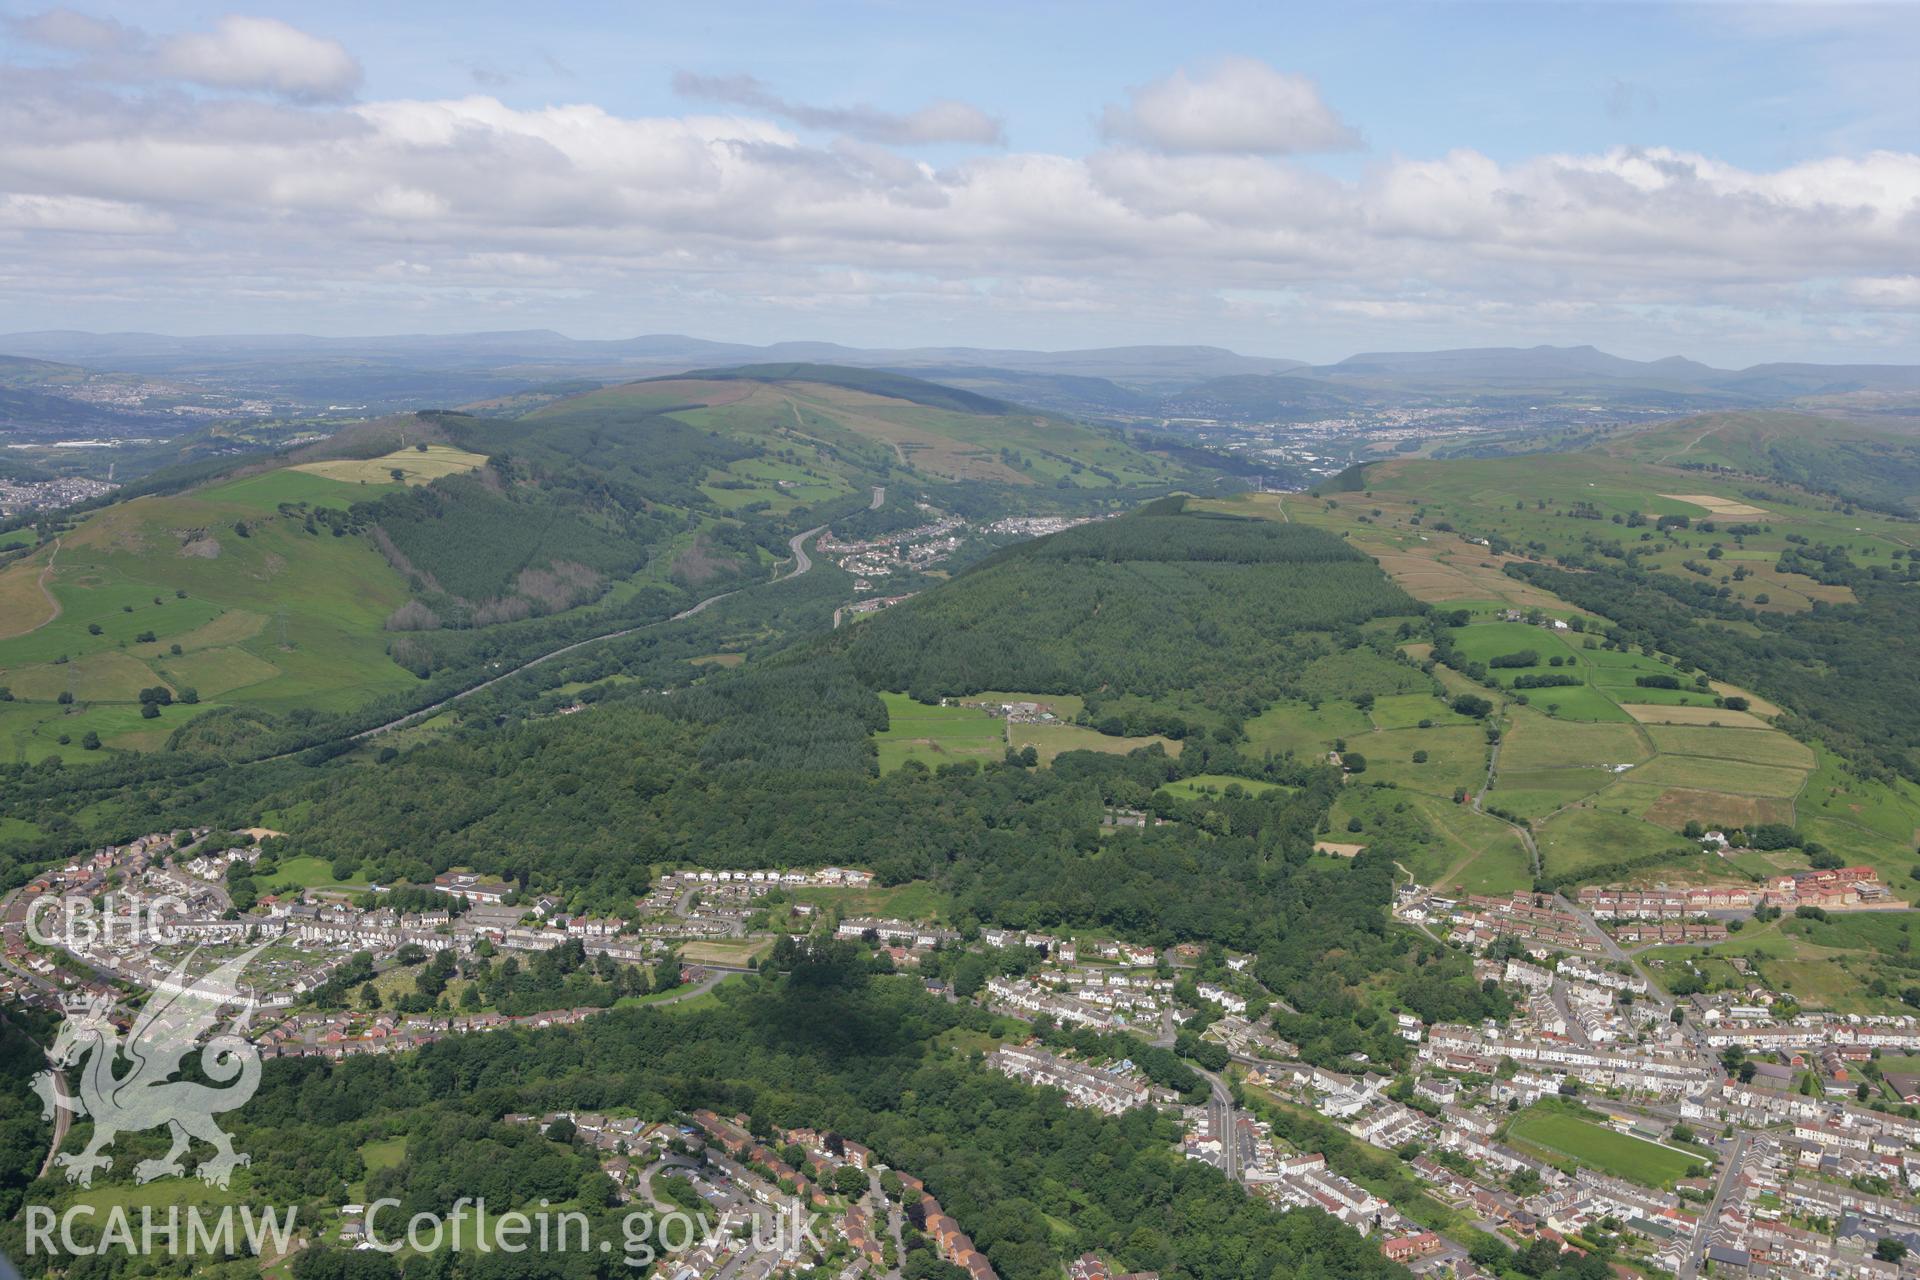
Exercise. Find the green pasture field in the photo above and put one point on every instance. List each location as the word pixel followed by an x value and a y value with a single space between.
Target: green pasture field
pixel 1451 846
pixel 914 900
pixel 1620 679
pixel 1737 771
pixel 1535 793
pixel 30 732
pixel 1662 697
pixel 265 492
pixel 1586 836
pixel 159 1194
pixel 309 872
pixel 138 568
pixel 1356 671
pixel 1883 931
pixel 1736 777
pixel 1036 437
pixel 381 1153
pixel 1533 741
pixel 431 729
pixel 1669 965
pixel 122 607
pixel 212 672
pixel 107 676
pixel 1755 746
pixel 1608 662
pixel 1483 641
pixel 1856 845
pixel 1407 710
pixel 1051 739
pixel 727 953
pixel 774 420
pixel 1819 983
pixel 1888 811
pixel 384 1153
pixel 1291 725
pixel 1574 702
pixel 1770 863
pixel 227 627
pixel 1213 784
pixel 678 1001
pixel 1637 798
pixel 936 735
pixel 1567 1136
pixel 1456 757
pixel 783 485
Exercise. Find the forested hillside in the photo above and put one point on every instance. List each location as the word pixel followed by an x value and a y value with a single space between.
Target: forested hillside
pixel 1158 601
pixel 465 542
pixel 877 381
pixel 834 423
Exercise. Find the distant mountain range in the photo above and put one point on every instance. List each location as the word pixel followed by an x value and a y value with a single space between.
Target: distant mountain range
pixel 414 370
pixel 1487 365
pixel 160 353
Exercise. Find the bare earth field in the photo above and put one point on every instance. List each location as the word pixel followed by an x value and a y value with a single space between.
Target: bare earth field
pixel 416 466
pixel 1649 713
pixel 1719 506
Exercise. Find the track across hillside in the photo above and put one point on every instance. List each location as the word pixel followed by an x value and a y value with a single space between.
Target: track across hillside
pixel 801 563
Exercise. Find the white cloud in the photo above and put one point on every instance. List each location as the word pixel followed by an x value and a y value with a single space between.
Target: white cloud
pixel 941 121
pixel 77 32
pixel 80 215
pixel 1234 105
pixel 1886 291
pixel 264 54
pixel 248 54
pixel 139 197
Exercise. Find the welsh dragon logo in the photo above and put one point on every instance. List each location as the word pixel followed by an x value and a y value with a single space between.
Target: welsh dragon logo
pixel 179 1012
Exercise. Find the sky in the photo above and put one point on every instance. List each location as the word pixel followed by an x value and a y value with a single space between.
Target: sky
pixel 1733 183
